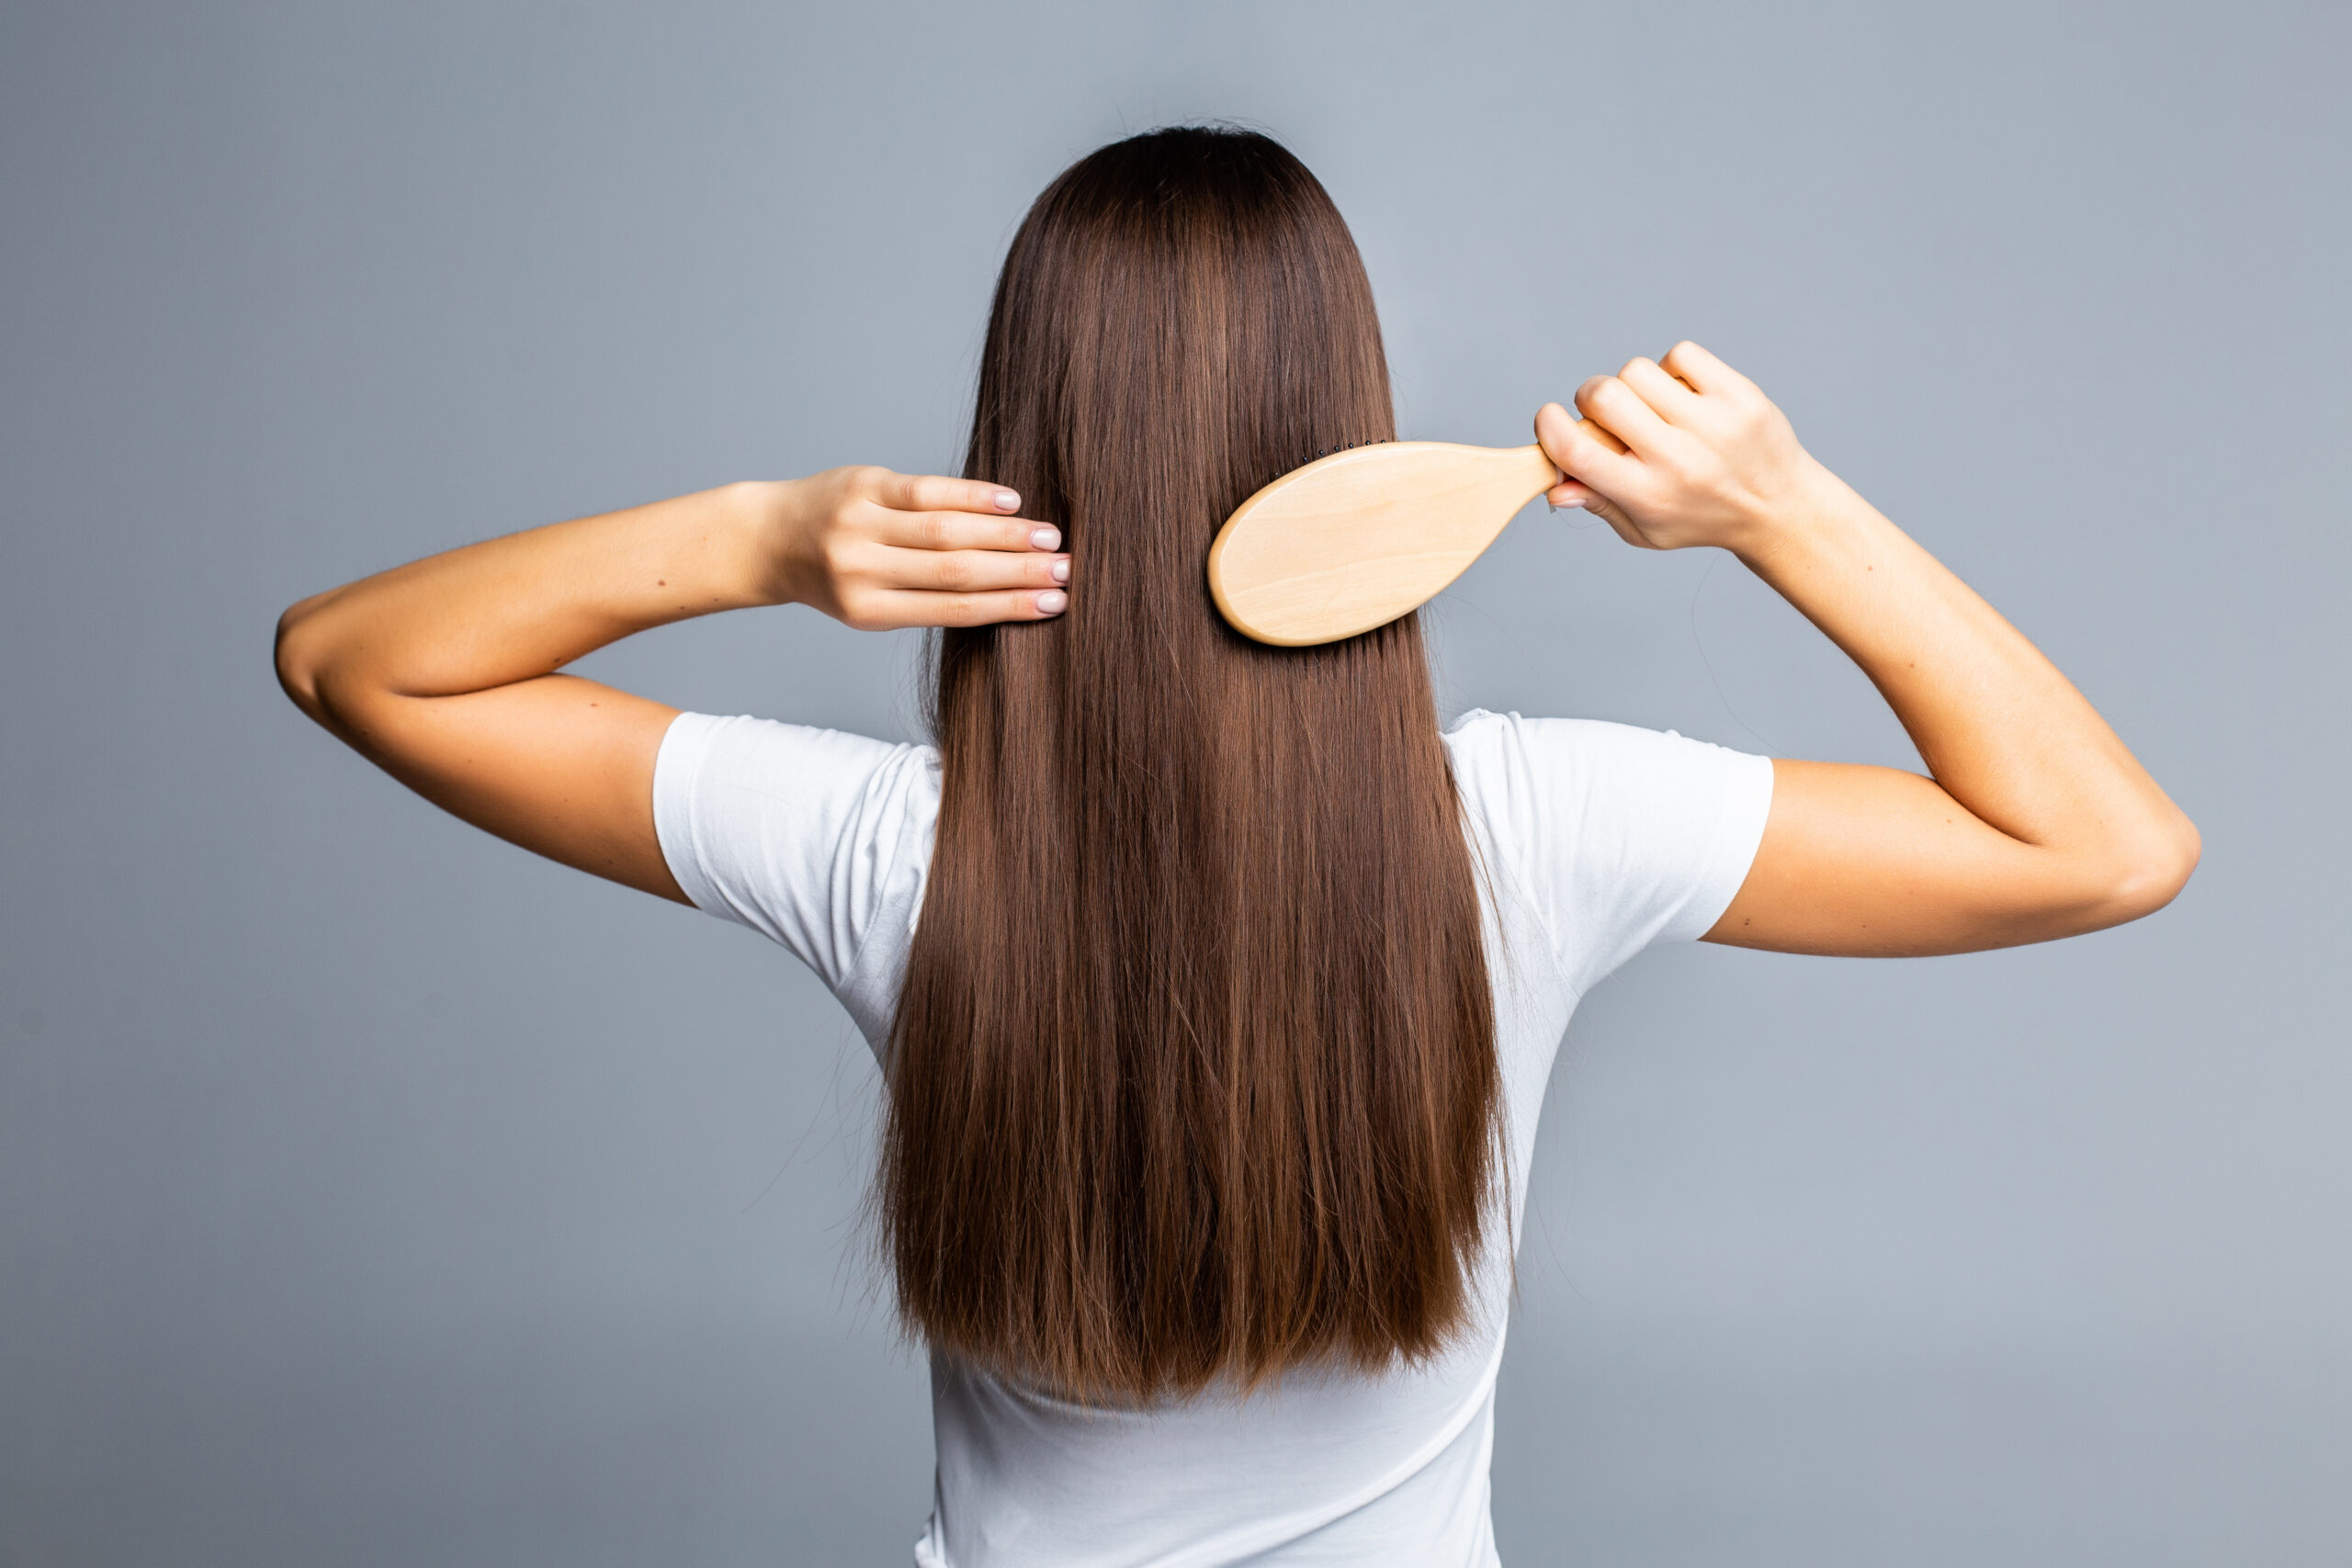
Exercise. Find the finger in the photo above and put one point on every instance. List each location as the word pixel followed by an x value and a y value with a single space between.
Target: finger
pixel 972 571
pixel 1570 493
pixel 908 608
pixel 1580 448
pixel 1674 401
pixel 1687 362
pixel 1619 521
pixel 936 493
pixel 1626 416
pixel 962 531
pixel 1584 496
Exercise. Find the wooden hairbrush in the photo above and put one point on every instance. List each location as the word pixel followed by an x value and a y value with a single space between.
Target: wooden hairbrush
pixel 1354 540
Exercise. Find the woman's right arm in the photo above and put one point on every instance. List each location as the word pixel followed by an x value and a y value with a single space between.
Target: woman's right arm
pixel 2036 822
pixel 444 672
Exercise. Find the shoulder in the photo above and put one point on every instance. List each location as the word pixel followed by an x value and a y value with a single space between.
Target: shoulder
pixel 1506 759
pixel 1482 738
pixel 817 838
pixel 768 757
pixel 820 790
pixel 1619 835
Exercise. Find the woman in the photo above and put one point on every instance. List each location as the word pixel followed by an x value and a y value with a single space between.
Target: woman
pixel 1215 987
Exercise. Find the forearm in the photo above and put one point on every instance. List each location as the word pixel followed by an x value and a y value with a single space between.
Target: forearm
pixel 442 672
pixel 513 608
pixel 2002 731
pixel 2038 822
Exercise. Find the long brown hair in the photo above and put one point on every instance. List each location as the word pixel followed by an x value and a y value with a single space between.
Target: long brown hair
pixel 1193 1072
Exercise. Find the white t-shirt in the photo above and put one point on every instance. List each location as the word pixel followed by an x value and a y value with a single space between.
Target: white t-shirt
pixel 1598 841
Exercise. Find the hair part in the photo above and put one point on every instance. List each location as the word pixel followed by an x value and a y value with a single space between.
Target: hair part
pixel 1193 1072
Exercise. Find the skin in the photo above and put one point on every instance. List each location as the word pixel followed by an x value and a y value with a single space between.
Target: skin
pixel 2035 823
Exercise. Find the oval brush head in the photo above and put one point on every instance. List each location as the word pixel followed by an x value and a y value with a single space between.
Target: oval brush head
pixel 1354 540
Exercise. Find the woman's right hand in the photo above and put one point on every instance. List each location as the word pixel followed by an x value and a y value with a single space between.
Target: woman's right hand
pixel 1681 451
pixel 878 551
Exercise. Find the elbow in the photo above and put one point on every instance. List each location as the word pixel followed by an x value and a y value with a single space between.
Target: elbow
pixel 299 661
pixel 2152 872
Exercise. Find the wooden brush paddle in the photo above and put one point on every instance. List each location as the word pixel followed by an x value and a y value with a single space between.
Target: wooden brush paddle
pixel 1354 540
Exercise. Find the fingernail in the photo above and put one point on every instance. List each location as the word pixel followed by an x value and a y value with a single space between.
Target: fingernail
pixel 1007 501
pixel 1047 538
pixel 1061 571
pixel 1052 602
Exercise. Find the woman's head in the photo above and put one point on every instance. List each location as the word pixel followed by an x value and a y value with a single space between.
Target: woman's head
pixel 1194 1070
pixel 1183 316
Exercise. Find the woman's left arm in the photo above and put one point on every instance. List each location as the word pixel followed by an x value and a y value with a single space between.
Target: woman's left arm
pixel 2035 823
pixel 444 671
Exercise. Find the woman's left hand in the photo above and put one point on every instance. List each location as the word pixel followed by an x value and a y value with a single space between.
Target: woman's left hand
pixel 878 551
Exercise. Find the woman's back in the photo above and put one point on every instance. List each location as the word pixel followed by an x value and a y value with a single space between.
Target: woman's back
pixel 1601 839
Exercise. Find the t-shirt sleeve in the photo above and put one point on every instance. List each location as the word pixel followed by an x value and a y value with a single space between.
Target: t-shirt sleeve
pixel 1617 836
pixel 818 839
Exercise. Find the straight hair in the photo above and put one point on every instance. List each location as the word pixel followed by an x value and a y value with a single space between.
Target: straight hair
pixel 1192 1075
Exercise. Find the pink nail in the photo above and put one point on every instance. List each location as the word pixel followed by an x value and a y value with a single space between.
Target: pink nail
pixel 1052 602
pixel 1060 571
pixel 1007 501
pixel 1047 538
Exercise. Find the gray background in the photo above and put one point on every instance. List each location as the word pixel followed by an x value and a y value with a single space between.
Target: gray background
pixel 371 1193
